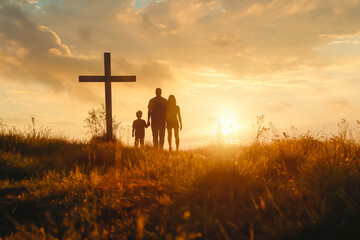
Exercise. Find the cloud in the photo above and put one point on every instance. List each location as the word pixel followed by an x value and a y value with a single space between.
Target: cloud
pixel 339 103
pixel 277 106
pixel 148 74
pixel 249 37
pixel 57 40
pixel 240 32
pixel 85 34
pixel 155 73
pixel 29 49
pixel 17 29
pixel 35 53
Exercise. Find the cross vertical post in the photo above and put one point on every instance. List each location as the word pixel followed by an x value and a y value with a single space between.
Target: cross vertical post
pixel 107 67
pixel 108 79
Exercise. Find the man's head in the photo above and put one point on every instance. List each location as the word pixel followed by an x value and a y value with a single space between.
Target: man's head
pixel 139 114
pixel 158 92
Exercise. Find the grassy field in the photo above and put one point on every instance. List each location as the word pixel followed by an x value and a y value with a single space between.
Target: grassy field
pixel 300 187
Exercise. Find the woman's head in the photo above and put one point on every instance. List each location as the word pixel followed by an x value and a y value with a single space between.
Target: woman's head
pixel 172 100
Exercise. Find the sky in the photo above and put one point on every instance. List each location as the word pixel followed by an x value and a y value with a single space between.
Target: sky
pixel 294 61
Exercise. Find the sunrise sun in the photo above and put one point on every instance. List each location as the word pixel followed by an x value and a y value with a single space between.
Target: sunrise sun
pixel 228 125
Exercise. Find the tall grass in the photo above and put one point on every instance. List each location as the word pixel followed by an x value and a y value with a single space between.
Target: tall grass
pixel 290 187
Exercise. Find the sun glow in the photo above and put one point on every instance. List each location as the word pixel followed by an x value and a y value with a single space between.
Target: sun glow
pixel 228 130
pixel 228 126
pixel 228 123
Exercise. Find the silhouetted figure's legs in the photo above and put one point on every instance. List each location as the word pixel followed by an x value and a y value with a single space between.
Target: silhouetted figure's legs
pixel 141 142
pixel 162 135
pixel 169 130
pixel 136 142
pixel 155 132
pixel 177 139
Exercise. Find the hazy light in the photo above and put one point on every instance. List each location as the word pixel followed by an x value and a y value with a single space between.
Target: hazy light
pixel 228 121
pixel 228 126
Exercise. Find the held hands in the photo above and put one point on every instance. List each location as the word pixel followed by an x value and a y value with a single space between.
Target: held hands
pixel 148 123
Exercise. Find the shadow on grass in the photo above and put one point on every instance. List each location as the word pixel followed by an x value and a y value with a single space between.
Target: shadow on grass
pixel 16 212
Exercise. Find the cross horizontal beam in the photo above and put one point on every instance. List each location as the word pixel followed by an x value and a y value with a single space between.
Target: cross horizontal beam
pixel 107 79
pixel 103 78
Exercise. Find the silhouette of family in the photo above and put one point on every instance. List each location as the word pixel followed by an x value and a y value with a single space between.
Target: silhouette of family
pixel 162 114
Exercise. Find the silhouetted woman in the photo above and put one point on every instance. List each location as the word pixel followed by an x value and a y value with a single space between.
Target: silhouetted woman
pixel 173 118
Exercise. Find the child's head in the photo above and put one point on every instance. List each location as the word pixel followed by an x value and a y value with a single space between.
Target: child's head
pixel 139 114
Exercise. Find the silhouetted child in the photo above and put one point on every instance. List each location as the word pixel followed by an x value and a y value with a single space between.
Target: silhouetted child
pixel 138 128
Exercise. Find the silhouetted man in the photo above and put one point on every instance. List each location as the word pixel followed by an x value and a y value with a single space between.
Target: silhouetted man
pixel 157 113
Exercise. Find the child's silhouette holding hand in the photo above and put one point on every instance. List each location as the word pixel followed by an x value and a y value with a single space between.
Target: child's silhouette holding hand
pixel 138 129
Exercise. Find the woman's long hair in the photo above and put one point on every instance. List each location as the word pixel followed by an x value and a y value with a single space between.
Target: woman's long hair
pixel 172 100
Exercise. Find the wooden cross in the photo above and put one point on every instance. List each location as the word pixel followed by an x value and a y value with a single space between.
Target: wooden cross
pixel 107 79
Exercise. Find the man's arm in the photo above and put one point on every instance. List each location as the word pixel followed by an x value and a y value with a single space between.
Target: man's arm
pixel 133 129
pixel 149 112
